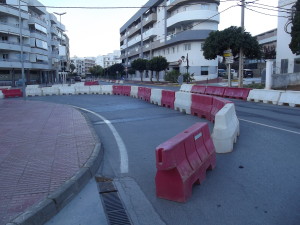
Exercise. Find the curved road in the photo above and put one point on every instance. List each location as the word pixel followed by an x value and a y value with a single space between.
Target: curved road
pixel 258 183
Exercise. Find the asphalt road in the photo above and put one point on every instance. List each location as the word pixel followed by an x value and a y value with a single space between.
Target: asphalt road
pixel 258 183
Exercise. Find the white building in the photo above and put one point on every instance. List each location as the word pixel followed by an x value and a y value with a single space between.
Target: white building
pixel 42 37
pixel 108 60
pixel 82 65
pixel 286 61
pixel 174 29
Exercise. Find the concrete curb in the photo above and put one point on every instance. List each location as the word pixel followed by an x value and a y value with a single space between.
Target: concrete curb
pixel 43 211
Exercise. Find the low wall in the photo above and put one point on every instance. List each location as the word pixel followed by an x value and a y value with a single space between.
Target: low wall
pixel 284 80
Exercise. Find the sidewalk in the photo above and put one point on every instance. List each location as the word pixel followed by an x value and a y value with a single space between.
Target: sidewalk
pixel 42 145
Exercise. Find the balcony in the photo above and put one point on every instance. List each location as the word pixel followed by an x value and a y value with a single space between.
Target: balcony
pixel 39 51
pixel 6 9
pixel 38 35
pixel 54 42
pixel 135 40
pixel 123 47
pixel 150 19
pixel 34 20
pixel 14 63
pixel 149 33
pixel 134 52
pixel 54 31
pixel 11 46
pixel 174 4
pixel 134 30
pixel 13 29
pixel 190 16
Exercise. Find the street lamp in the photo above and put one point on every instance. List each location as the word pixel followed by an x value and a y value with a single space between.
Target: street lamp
pixel 22 53
pixel 61 62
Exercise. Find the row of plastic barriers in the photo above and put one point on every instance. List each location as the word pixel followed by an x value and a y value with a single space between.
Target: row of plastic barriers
pixel 226 92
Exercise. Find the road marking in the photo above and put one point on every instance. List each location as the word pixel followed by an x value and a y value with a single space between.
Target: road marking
pixel 119 140
pixel 265 125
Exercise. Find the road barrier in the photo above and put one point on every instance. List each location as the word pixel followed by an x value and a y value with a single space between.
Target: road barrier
pixel 156 95
pixel 126 90
pixel 54 90
pixel 4 87
pixel 168 99
pixel 198 89
pixel 90 83
pixel 217 105
pixel 96 89
pixel 68 90
pixel 226 129
pixel 201 106
pixel 182 161
pixel 33 90
pixel 216 91
pixel 144 93
pixel 183 102
pixel 134 91
pixel 82 90
pixel 292 98
pixel 186 87
pixel 237 93
pixel 117 89
pixel 265 96
pixel 107 89
pixel 1 95
pixel 12 93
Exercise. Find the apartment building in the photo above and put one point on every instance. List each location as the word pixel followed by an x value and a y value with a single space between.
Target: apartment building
pixel 83 65
pixel 286 61
pixel 44 44
pixel 89 63
pixel 108 60
pixel 175 29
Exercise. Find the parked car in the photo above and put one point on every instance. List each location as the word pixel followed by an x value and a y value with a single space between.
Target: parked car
pixel 221 73
pixel 77 78
pixel 248 73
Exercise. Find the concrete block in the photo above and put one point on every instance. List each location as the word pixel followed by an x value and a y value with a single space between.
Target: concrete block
pixel 156 95
pixel 107 89
pixel 265 96
pixel 226 129
pixel 134 91
pixel 67 90
pixel 96 89
pixel 292 98
pixel 183 102
pixel 81 90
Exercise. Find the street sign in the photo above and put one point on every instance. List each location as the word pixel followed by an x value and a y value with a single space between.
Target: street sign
pixel 228 56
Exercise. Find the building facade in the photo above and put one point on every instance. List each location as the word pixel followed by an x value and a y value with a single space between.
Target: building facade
pixel 42 42
pixel 83 65
pixel 174 29
pixel 286 61
pixel 110 59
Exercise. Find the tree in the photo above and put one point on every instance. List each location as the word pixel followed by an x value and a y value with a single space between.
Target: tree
pixel 139 65
pixel 231 38
pixel 116 69
pixel 157 64
pixel 97 70
pixel 172 76
pixel 72 67
pixel 295 33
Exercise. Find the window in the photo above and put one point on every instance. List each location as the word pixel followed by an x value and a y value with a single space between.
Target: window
pixel 5 57
pixel 297 65
pixel 187 47
pixel 204 70
pixel 173 49
pixel 4 38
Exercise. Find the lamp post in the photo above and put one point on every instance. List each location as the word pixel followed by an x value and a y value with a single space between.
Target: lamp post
pixel 61 63
pixel 21 53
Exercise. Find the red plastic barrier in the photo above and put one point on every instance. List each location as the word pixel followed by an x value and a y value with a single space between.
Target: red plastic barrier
pixel 217 105
pixel 201 105
pixel 117 89
pixel 182 161
pixel 239 93
pixel 198 89
pixel 90 83
pixel 141 92
pixel 10 93
pixel 213 90
pixel 168 99
pixel 126 90
pixel 147 94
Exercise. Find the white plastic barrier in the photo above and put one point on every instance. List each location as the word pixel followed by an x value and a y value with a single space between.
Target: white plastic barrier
pixel 67 90
pixel 54 90
pixel 5 87
pixel 134 91
pixel 186 87
pixel 156 95
pixel 183 102
pixel 121 82
pixel 81 90
pixel 226 129
pixel 78 84
pixel 96 89
pixel 1 95
pixel 33 91
pixel 33 86
pixel 292 98
pixel 107 89
pixel 266 96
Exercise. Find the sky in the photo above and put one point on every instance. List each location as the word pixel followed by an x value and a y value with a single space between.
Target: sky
pixel 94 32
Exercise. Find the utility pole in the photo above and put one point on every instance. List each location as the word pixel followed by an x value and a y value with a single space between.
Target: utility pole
pixel 241 56
pixel 22 53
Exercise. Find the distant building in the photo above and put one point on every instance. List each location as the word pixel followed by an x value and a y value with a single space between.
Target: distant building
pixel 108 60
pixel 174 29
pixel 89 63
pixel 45 45
pixel 82 65
pixel 286 61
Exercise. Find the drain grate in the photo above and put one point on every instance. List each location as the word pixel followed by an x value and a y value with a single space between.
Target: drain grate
pixel 113 206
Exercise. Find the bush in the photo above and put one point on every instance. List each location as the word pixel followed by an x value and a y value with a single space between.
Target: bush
pixel 187 77
pixel 172 76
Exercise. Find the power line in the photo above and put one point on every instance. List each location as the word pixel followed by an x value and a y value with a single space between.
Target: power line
pixel 271 9
pixel 265 13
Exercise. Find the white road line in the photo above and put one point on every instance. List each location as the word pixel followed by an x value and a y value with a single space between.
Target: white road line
pixel 265 125
pixel 119 140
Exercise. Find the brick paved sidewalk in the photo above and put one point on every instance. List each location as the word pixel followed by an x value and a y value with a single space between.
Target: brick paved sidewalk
pixel 41 146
